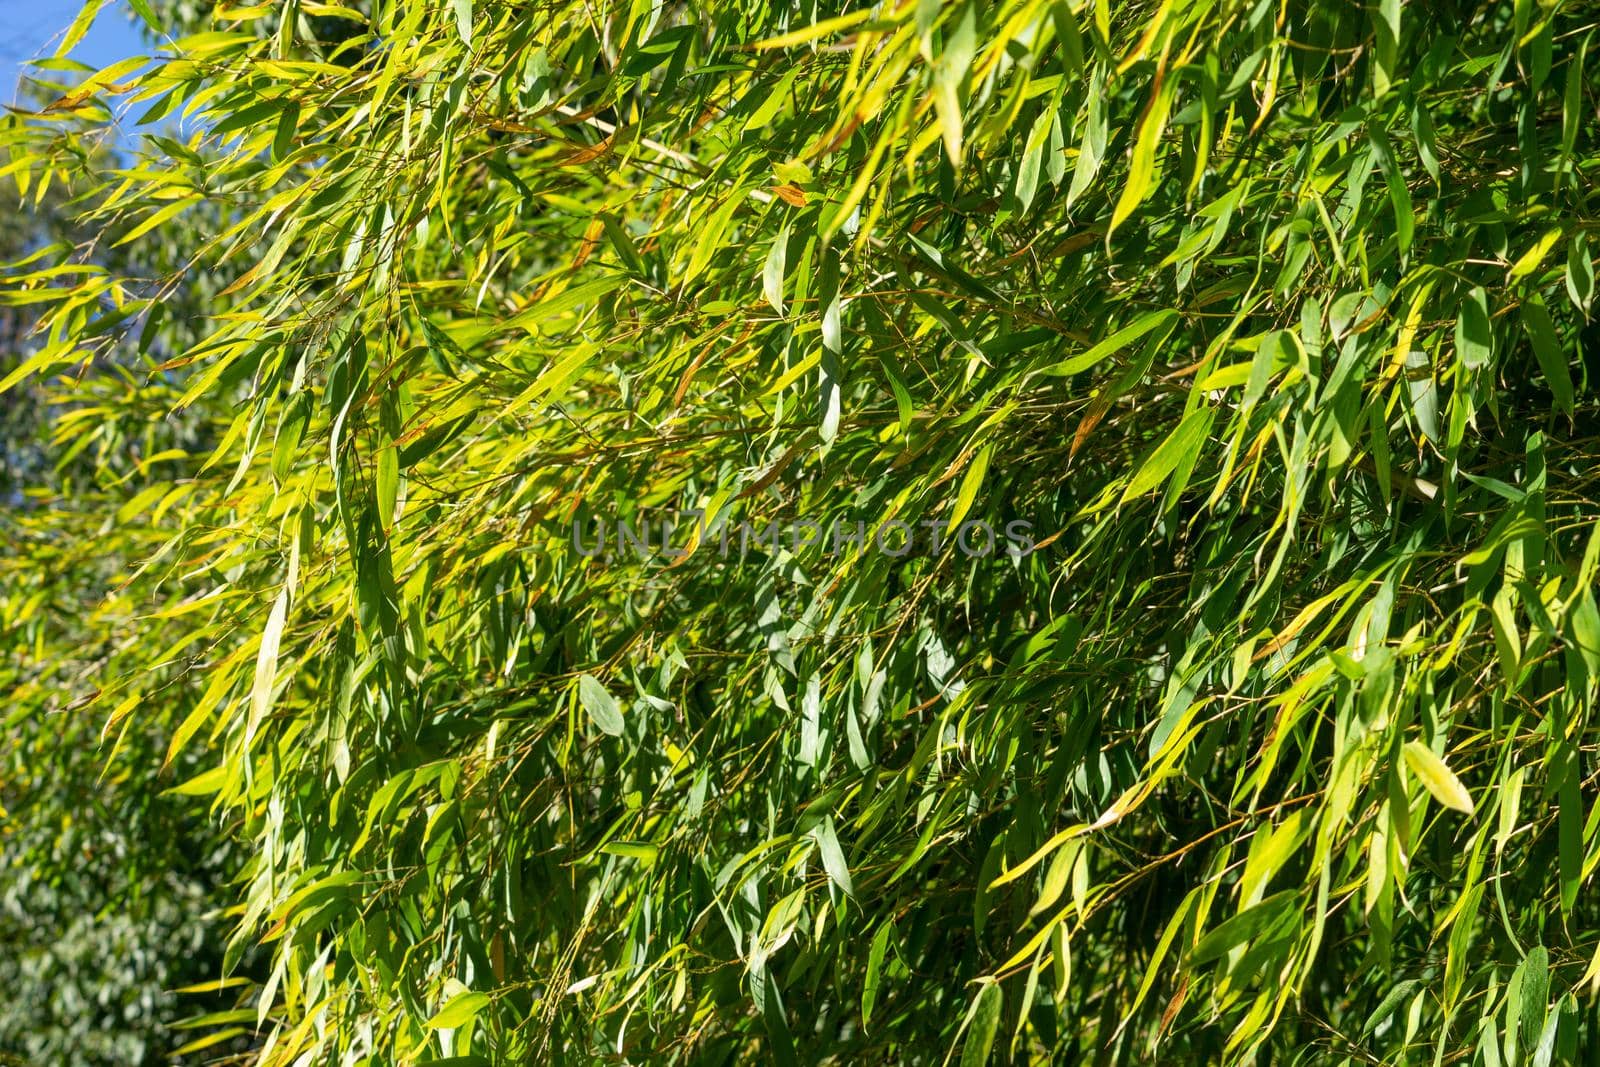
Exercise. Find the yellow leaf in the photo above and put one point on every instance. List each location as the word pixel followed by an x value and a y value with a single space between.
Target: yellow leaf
pixel 1142 166
pixel 1534 256
pixel 462 1009
pixel 970 483
pixel 79 27
pixel 1438 778
pixel 157 218
pixel 1044 850
pixel 267 663
pixel 815 30
pixel 200 785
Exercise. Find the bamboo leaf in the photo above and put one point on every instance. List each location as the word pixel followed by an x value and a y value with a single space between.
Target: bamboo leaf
pixel 460 1010
pixel 267 662
pixel 773 269
pixel 1548 351
pixel 1141 167
pixel 601 705
pixel 983 1022
pixel 1180 448
pixel 971 482
pixel 1437 777
pixel 833 856
pixel 1474 336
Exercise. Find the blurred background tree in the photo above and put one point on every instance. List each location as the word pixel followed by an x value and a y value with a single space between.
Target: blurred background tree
pixel 111 892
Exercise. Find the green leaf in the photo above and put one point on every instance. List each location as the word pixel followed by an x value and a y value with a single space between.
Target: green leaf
pixel 601 705
pixel 971 482
pixel 982 1023
pixel 1474 335
pixel 1091 149
pixel 461 1009
pixel 463 12
pixel 874 973
pixel 1580 273
pixel 142 9
pixel 1386 33
pixel 772 270
pixel 1262 365
pixel 1116 342
pixel 1266 918
pixel 815 30
pixel 1055 878
pixel 1181 446
pixel 1510 805
pixel 1534 975
pixel 1547 349
pixel 1569 824
pixel 832 372
pixel 1396 996
pixel 1572 101
pixel 1424 393
pixel 638 850
pixel 1585 621
pixel 622 243
pixel 388 483
pixel 1027 178
pixel 832 856
pixel 288 125
pixel 1405 221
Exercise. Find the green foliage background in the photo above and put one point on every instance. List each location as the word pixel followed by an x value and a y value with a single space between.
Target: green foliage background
pixel 1274 321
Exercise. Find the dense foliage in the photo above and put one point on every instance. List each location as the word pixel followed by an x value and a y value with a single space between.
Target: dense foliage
pixel 1266 327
